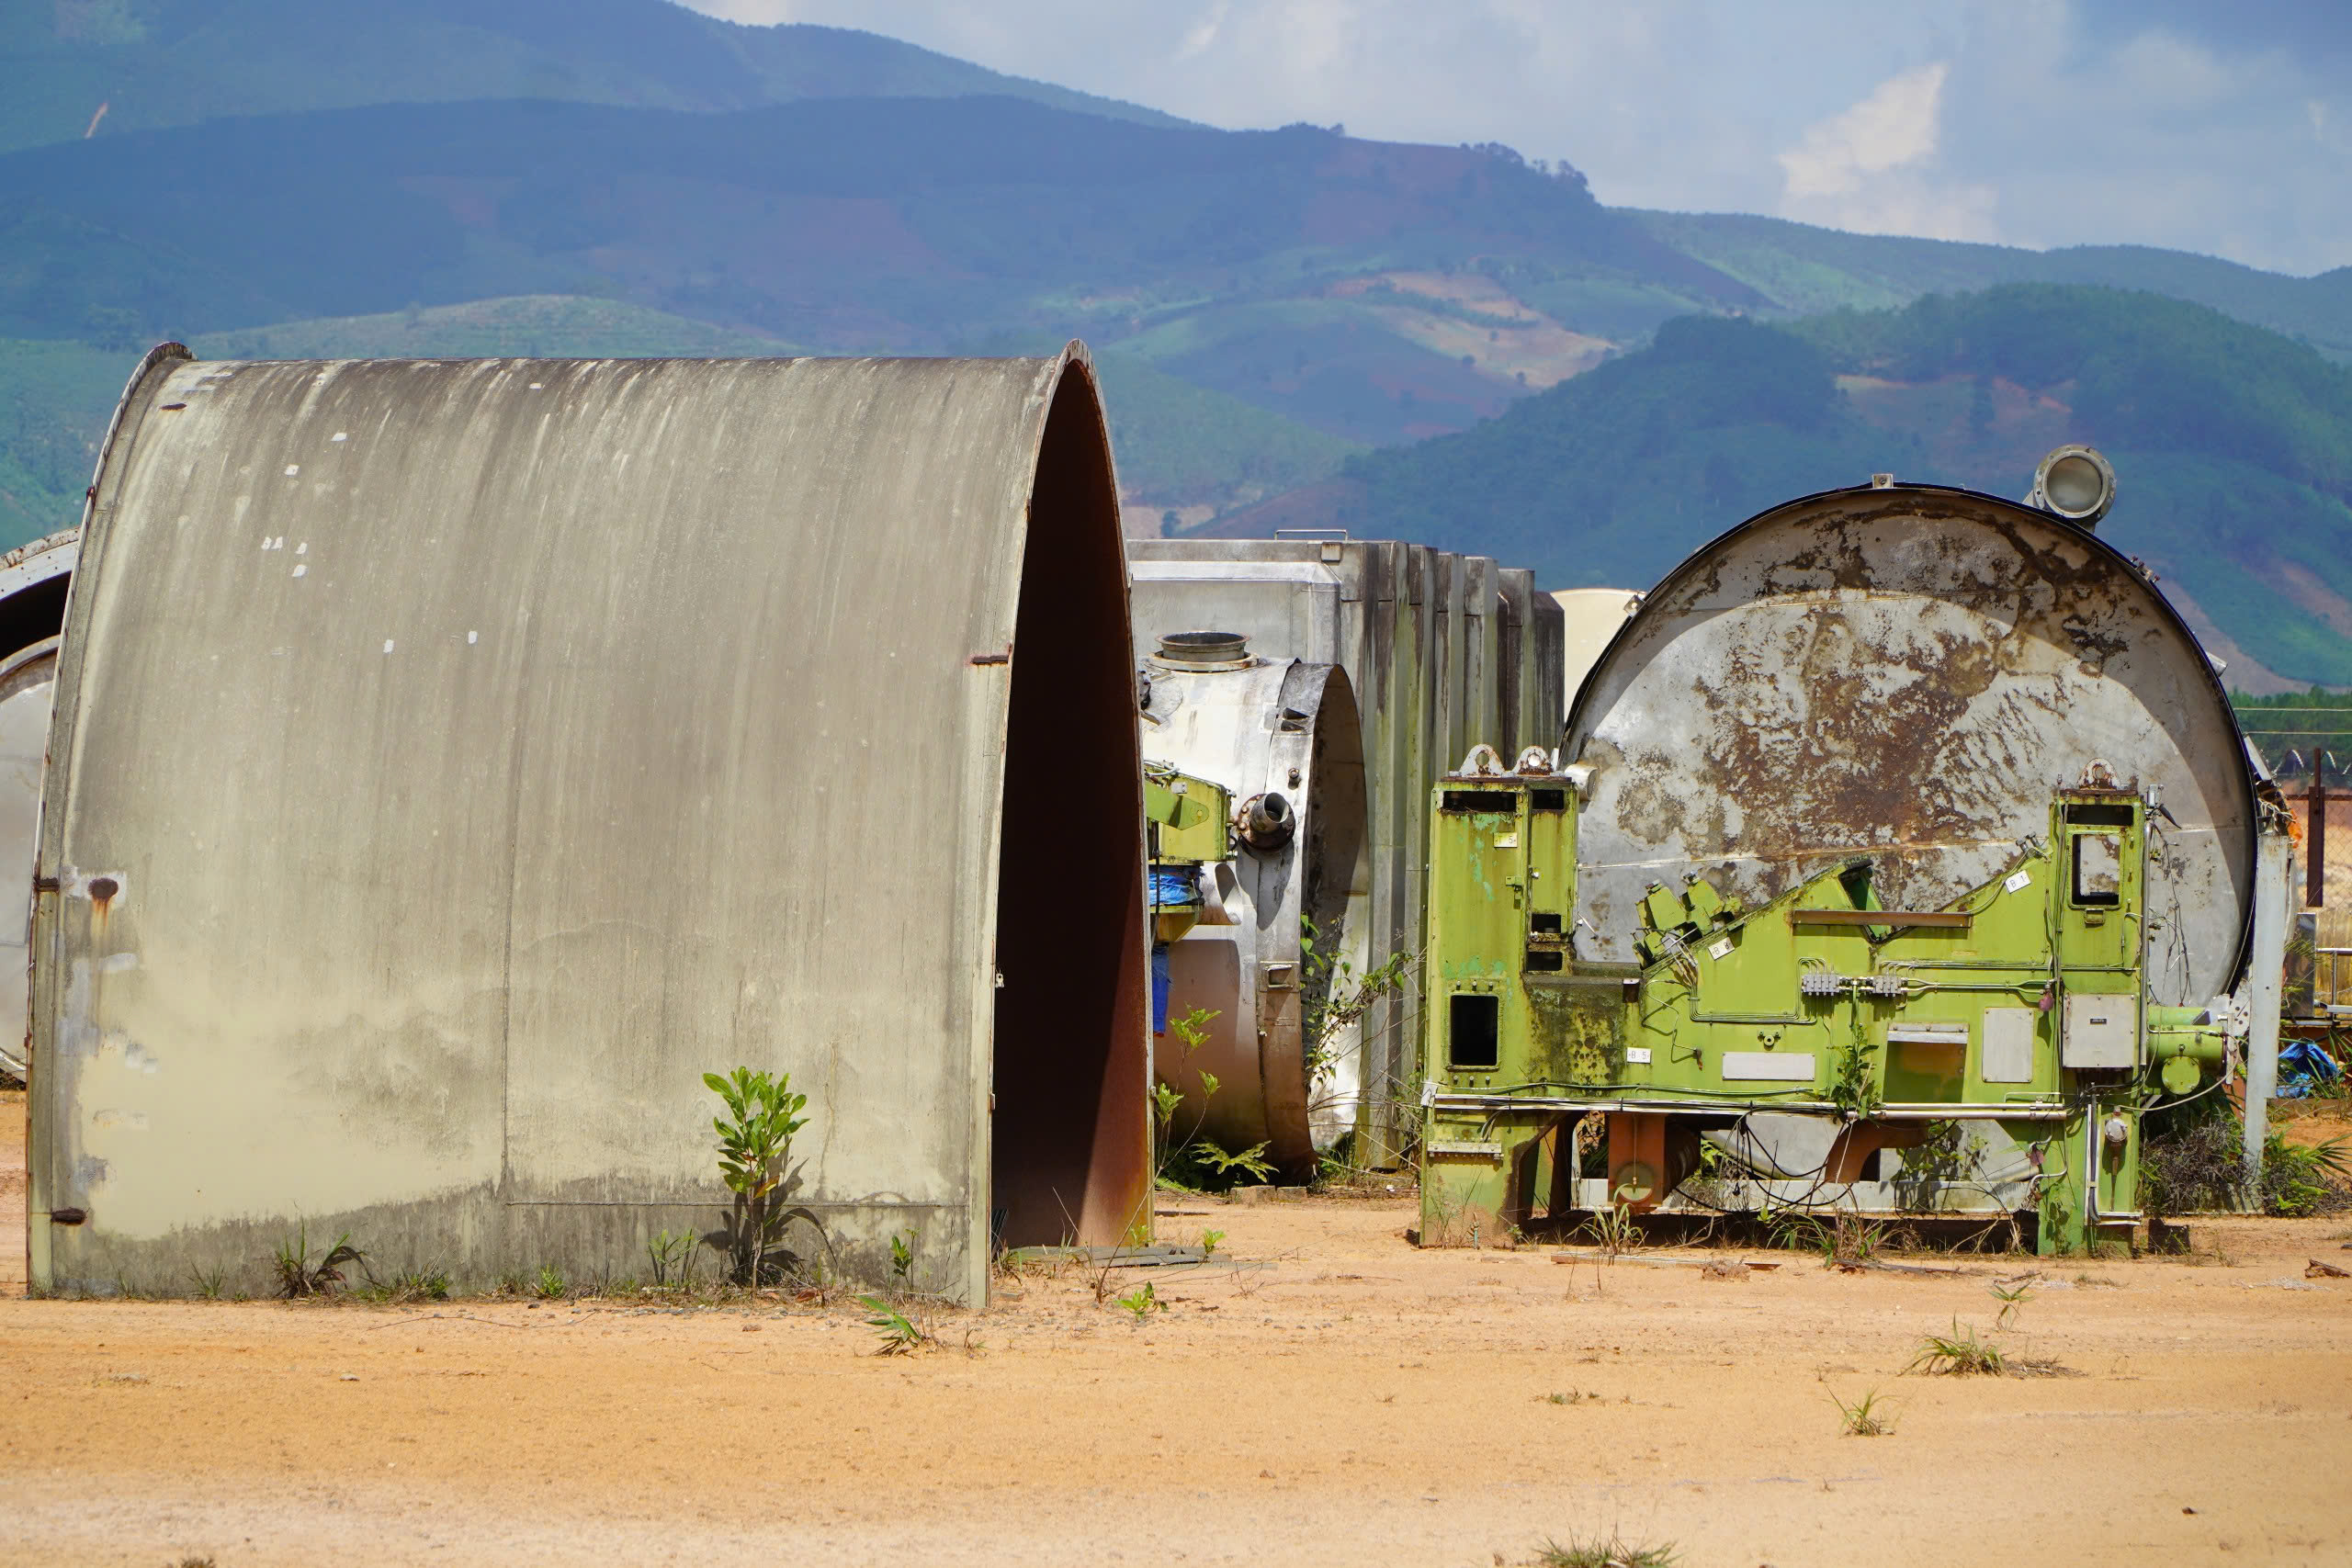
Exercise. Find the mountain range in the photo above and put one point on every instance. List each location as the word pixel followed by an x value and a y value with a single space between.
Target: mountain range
pixel 625 177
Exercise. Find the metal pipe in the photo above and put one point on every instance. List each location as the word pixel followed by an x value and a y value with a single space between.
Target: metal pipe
pixel 2315 834
pixel 2266 979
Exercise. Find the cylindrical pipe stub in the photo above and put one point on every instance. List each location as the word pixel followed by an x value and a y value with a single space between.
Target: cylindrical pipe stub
pixel 1266 821
pixel 1204 650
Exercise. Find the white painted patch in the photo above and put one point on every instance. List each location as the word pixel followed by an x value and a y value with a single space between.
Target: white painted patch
pixel 340 435
pixel 293 469
pixel 388 645
pixel 472 637
pixel 298 571
pixel 1774 1066
pixel 2007 1052
pixel 304 548
pixel 116 963
pixel 537 387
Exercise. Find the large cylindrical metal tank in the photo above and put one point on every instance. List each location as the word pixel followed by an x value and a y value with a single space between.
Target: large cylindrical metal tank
pixel 33 580
pixel 1905 673
pixel 454 761
pixel 1283 734
pixel 1441 651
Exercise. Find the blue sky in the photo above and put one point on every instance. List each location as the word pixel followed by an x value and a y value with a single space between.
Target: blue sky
pixel 2222 128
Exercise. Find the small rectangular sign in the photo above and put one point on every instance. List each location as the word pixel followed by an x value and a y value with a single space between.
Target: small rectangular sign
pixel 1637 1055
pixel 2018 880
pixel 1721 949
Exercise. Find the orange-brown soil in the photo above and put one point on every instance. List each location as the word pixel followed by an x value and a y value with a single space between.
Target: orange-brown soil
pixel 1336 1397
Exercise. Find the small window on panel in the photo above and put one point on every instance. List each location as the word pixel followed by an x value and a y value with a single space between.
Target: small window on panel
pixel 1474 1031
pixel 1548 799
pixel 2098 869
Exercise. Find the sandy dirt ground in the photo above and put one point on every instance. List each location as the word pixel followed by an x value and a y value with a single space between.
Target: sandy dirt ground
pixel 1332 1396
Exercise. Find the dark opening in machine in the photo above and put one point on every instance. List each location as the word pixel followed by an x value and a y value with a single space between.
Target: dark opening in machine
pixel 1474 1029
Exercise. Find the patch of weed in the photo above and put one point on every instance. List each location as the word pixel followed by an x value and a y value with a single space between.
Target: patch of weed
pixel 1615 1551
pixel 1865 1418
pixel 298 1275
pixel 1959 1354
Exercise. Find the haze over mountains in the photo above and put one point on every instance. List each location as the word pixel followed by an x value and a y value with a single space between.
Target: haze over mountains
pixel 554 177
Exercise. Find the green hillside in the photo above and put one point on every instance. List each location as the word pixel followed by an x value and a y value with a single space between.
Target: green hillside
pixel 2234 447
pixel 169 63
pixel 1804 270
pixel 1179 446
pixel 1263 303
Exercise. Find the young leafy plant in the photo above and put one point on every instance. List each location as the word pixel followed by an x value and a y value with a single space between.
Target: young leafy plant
pixel 902 1261
pixel 671 1256
pixel 899 1333
pixel 549 1286
pixel 1144 1303
pixel 754 1159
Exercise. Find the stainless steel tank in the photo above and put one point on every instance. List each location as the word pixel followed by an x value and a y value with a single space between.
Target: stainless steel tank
pixel 33 579
pixel 1283 734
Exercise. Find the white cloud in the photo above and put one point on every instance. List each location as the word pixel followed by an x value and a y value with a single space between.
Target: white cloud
pixel 1871 167
pixel 1893 126
pixel 2028 121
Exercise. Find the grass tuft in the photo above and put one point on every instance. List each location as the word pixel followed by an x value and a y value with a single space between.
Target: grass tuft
pixel 1865 1418
pixel 1959 1354
pixel 1615 1551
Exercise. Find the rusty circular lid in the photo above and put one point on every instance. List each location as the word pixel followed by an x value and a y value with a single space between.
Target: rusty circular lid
pixel 1906 673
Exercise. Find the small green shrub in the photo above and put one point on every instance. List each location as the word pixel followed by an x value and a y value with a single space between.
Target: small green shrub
pixel 549 1286
pixel 754 1160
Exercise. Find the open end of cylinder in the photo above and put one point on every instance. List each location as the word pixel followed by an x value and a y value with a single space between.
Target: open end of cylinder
pixel 1072 1148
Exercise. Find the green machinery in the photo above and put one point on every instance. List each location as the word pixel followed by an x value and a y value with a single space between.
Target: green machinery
pixel 1819 1052
pixel 1188 829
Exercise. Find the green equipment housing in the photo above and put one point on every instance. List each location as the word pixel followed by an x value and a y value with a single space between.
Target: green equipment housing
pixel 1990 1057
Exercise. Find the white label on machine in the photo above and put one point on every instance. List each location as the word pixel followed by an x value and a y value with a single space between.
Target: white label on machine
pixel 1721 949
pixel 1507 840
pixel 2008 1044
pixel 1637 1055
pixel 1779 1066
pixel 2018 880
pixel 1927 1034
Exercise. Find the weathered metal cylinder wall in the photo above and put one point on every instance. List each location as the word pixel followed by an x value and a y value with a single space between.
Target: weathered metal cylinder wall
pixel 1286 728
pixel 1443 652
pixel 1908 674
pixel 455 760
